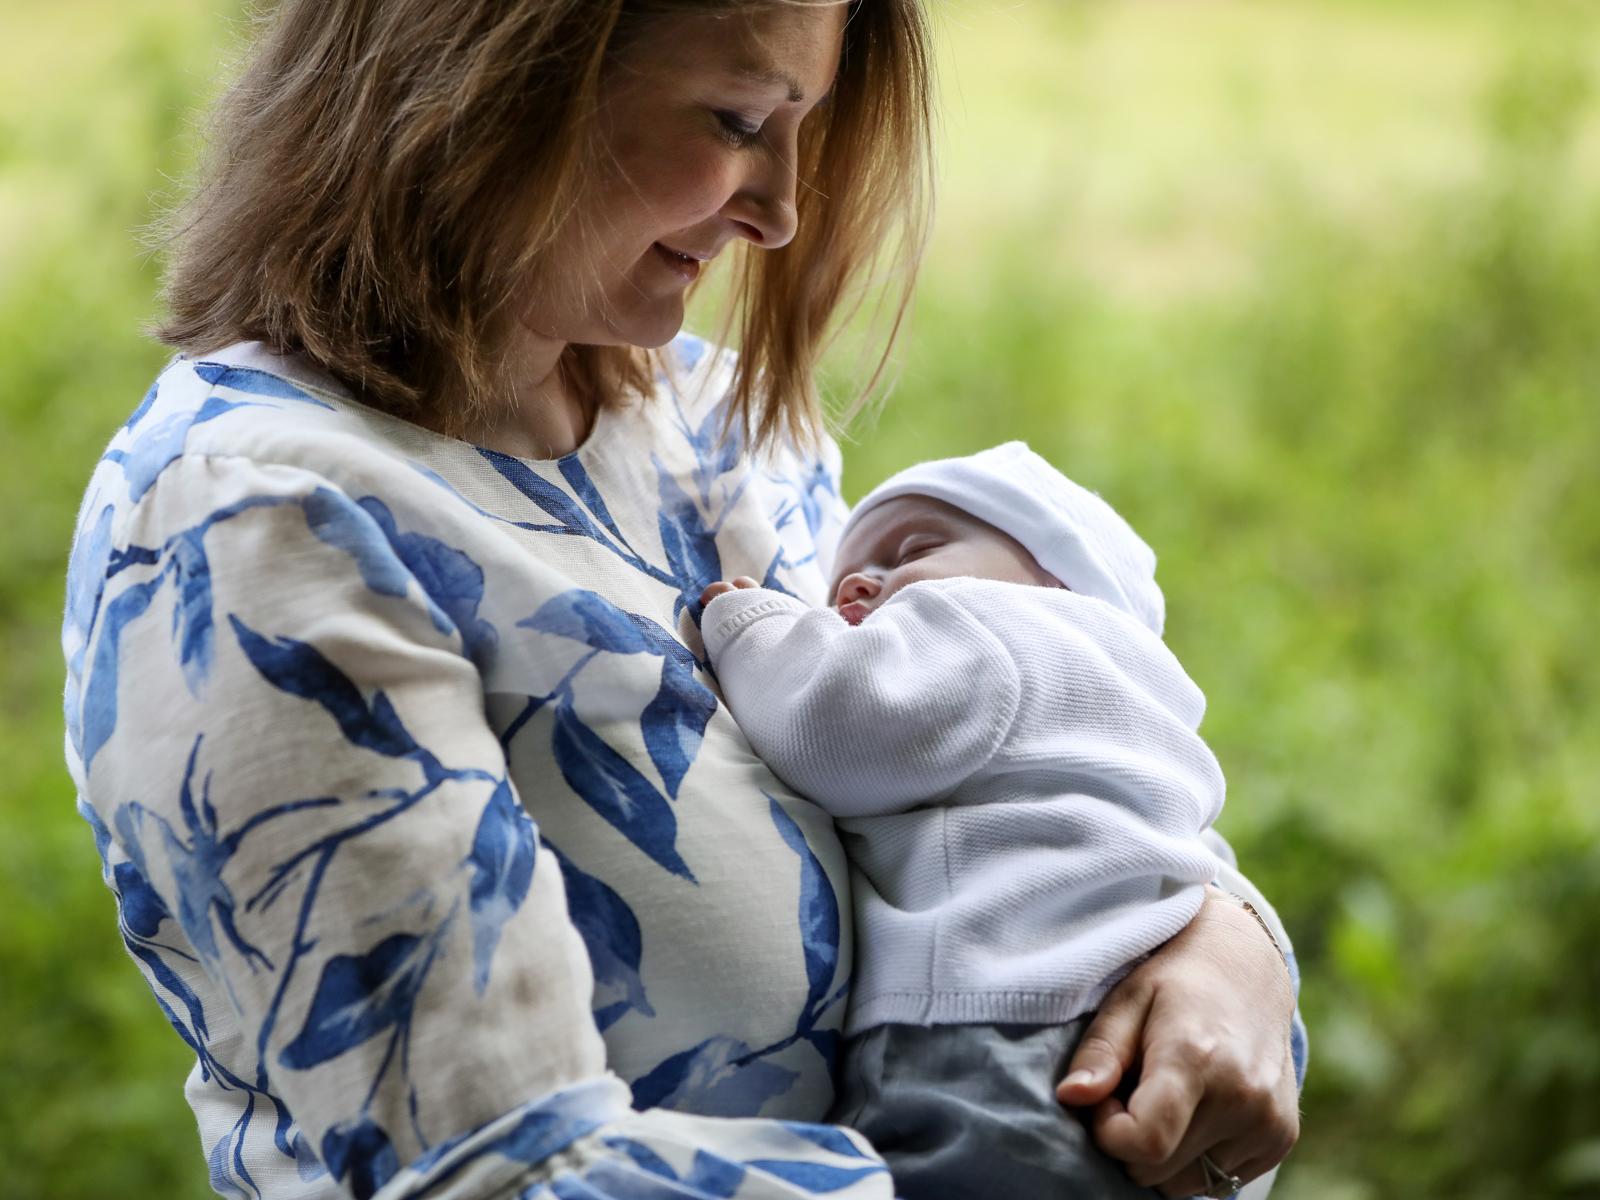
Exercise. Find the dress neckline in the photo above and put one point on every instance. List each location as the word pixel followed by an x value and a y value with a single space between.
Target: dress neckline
pixel 294 369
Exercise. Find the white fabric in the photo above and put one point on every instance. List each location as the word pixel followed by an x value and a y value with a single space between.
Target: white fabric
pixel 1073 533
pixel 1019 776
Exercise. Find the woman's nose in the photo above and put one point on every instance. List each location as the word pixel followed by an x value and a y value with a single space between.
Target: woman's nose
pixel 855 587
pixel 764 205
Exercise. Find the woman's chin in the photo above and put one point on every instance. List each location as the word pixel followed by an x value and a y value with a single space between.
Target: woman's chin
pixel 652 329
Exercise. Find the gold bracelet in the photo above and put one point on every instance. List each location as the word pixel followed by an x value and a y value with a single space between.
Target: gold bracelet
pixel 1235 898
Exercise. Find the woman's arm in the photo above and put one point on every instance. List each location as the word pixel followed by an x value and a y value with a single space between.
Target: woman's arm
pixel 329 877
pixel 1210 1019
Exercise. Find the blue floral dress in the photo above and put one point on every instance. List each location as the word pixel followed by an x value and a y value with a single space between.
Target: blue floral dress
pixel 426 826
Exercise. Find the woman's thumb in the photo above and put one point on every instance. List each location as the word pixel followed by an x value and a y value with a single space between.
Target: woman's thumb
pixel 1109 1046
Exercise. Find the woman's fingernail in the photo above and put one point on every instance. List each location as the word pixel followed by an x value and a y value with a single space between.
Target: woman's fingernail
pixel 1081 1078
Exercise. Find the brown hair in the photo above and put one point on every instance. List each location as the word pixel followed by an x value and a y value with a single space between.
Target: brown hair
pixel 386 174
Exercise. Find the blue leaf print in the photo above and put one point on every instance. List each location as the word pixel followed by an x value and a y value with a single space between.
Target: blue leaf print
pixel 642 1156
pixel 102 834
pixel 197 866
pixel 715 1176
pixel 577 477
pixel 819 917
pixel 100 695
pixel 540 1134
pixel 144 406
pixel 584 616
pixel 717 454
pixel 86 570
pixel 142 910
pixel 301 670
pixel 339 523
pixel 613 787
pixel 829 1137
pixel 226 1162
pixel 501 862
pixel 257 383
pixel 659 641
pixel 157 447
pixel 195 1032
pixel 817 480
pixel 361 1151
pixel 674 723
pixel 449 577
pixel 716 1078
pixel 551 499
pixel 815 1177
pixel 690 545
pixel 123 557
pixel 191 614
pixel 689 350
pixel 714 454
pixel 610 931
pixel 357 998
pixel 307 1165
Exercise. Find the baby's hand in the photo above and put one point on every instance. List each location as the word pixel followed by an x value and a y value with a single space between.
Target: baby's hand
pixel 722 587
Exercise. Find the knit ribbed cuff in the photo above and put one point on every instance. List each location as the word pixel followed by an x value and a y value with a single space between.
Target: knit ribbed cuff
pixel 733 612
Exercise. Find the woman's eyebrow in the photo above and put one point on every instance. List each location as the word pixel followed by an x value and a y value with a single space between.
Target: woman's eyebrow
pixel 772 77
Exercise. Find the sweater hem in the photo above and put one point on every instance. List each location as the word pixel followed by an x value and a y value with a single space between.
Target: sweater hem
pixel 990 1006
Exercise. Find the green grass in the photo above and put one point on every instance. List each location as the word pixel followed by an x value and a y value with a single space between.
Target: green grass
pixel 1310 291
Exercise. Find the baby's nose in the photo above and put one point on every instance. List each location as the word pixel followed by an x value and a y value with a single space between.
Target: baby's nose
pixel 854 587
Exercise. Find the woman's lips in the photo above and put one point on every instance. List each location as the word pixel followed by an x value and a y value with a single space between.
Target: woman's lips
pixel 685 266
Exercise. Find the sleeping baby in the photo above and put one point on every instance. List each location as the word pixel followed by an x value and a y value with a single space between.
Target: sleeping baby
pixel 1011 752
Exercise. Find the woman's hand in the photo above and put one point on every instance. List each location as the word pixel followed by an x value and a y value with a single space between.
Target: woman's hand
pixel 722 587
pixel 1206 1018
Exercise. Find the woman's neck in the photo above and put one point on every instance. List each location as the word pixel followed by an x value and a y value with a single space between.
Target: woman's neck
pixel 549 413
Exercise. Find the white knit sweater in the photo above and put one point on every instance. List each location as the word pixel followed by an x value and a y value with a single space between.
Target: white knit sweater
pixel 1018 776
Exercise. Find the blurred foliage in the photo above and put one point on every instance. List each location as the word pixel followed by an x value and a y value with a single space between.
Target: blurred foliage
pixel 1310 290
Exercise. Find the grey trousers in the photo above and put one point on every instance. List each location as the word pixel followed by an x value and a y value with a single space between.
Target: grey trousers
pixel 969 1112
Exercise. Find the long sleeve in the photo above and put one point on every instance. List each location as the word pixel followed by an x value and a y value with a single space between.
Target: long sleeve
pixel 329 878
pixel 865 720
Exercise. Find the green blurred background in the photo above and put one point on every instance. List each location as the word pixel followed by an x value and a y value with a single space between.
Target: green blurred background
pixel 1309 289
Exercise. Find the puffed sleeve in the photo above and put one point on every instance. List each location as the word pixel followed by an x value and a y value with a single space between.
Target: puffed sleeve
pixel 282 745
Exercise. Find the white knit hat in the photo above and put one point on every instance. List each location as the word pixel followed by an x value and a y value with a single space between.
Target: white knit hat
pixel 1074 535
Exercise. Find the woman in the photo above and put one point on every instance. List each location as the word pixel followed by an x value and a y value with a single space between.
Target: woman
pixel 407 545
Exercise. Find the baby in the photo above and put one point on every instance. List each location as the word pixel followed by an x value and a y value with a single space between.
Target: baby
pixel 1010 749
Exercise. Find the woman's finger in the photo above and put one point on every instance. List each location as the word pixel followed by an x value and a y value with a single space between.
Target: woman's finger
pixel 1191 1181
pixel 1159 1115
pixel 1242 1117
pixel 1109 1045
pixel 1184 1175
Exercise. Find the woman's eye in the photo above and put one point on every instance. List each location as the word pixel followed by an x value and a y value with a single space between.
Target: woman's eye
pixel 736 130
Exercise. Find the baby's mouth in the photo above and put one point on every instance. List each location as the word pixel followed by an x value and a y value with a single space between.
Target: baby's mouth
pixel 854 613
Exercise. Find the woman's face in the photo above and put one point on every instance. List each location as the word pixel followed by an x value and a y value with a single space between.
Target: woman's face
pixel 701 118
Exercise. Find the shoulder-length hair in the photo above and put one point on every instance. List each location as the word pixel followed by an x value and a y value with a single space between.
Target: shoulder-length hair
pixel 385 176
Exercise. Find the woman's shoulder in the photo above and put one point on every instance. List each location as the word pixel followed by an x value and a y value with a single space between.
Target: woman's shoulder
pixel 249 409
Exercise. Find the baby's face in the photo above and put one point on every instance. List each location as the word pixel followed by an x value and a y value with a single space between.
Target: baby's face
pixel 911 538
